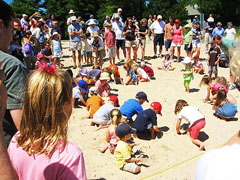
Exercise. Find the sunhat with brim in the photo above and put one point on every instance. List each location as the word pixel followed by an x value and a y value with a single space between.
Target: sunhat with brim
pixel 73 18
pixel 188 26
pixel 83 72
pixel 159 17
pixel 210 19
pixel 91 22
pixel 71 12
pixel 104 76
pixel 187 60
pixel 95 34
pixel 24 15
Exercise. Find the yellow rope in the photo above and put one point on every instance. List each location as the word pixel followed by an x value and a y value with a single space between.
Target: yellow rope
pixel 176 164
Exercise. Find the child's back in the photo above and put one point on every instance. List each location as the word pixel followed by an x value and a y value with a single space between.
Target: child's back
pixel 94 103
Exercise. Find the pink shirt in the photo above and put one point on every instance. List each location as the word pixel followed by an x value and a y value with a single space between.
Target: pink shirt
pixel 110 38
pixel 65 165
pixel 103 88
pixel 177 36
pixel 216 86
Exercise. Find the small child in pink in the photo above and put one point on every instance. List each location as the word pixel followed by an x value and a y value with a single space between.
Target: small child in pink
pixel 111 136
pixel 167 62
pixel 102 85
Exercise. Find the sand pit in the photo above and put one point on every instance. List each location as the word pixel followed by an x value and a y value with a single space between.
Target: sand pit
pixel 167 150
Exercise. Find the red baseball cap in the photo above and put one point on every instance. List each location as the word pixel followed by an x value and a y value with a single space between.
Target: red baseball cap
pixel 197 56
pixel 114 99
pixel 177 21
pixel 157 106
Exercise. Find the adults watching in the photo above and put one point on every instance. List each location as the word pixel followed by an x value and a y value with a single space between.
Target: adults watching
pixel 49 21
pixel 157 29
pixel 208 28
pixel 75 31
pixel 143 31
pixel 15 73
pixel 117 27
pixel 177 34
pixel 130 36
pixel 118 14
pixel 195 20
pixel 92 18
pixel 218 30
pixel 168 33
pixel 72 15
pixel 230 32
pixel 92 27
pixel 34 20
pixel 24 22
pixel 150 21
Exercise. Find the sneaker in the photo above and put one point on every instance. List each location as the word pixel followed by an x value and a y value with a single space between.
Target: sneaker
pixel 232 86
pixel 125 60
pixel 75 66
pixel 155 56
pixel 119 60
pixel 159 55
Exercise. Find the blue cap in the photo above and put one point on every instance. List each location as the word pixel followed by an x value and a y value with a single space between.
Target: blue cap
pixel 124 129
pixel 91 15
pixel 83 85
pixel 142 95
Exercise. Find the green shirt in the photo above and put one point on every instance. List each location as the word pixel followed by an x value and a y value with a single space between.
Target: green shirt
pixel 188 37
pixel 227 44
pixel 15 82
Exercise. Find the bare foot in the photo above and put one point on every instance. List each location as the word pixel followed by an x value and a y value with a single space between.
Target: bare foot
pixel 202 147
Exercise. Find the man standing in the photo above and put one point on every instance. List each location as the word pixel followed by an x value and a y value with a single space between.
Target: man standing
pixel 119 13
pixel 208 27
pixel 75 32
pixel 15 73
pixel 72 14
pixel 168 33
pixel 117 27
pixel 195 20
pixel 157 29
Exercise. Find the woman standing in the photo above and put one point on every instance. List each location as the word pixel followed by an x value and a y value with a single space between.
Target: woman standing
pixel 230 32
pixel 177 33
pixel 143 31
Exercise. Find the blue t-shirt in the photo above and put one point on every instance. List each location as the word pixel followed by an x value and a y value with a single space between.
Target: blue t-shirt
pixel 71 28
pixel 144 119
pixel 134 77
pixel 218 31
pixel 130 108
pixel 196 35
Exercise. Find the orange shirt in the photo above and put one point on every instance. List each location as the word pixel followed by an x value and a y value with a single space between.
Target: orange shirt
pixel 94 103
pixel 114 65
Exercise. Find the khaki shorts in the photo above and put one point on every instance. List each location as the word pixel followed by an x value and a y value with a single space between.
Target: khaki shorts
pixel 130 167
pixel 111 52
pixel 89 54
pixel 131 43
pixel 141 42
pixel 75 45
pixel 99 54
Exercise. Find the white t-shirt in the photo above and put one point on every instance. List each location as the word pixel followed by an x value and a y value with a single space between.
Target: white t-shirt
pixel 36 33
pixel 118 29
pixel 158 27
pixel 76 92
pixel 142 73
pixel 219 164
pixel 191 114
pixel 88 45
pixel 104 112
pixel 230 33
pixel 92 30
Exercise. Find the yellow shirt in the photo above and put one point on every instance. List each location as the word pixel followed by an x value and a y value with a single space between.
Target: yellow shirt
pixel 122 153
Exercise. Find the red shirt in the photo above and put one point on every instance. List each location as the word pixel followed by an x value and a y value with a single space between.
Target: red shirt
pixel 114 65
pixel 110 38
pixel 149 71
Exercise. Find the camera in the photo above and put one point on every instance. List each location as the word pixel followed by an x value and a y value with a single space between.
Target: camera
pixel 95 43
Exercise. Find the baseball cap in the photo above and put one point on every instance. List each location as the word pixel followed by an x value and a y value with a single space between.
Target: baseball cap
pixel 197 56
pixel 157 106
pixel 114 99
pixel 73 18
pixel 177 21
pixel 219 24
pixel 91 15
pixel 119 9
pixel 95 34
pixel 186 60
pixel 83 85
pixel 142 64
pixel 195 17
pixel 93 90
pixel 55 33
pixel 188 26
pixel 124 129
pixel 229 24
pixel 159 17
pixel 142 95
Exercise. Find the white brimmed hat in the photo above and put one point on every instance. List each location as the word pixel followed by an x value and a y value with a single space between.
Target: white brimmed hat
pixel 24 15
pixel 91 22
pixel 119 9
pixel 73 18
pixel 187 60
pixel 104 76
pixel 159 17
pixel 210 19
pixel 71 12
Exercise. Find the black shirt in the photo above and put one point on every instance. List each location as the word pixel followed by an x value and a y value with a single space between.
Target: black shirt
pixel 143 29
pixel 131 35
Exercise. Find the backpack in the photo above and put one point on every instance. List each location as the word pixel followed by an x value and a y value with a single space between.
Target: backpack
pixel 27 49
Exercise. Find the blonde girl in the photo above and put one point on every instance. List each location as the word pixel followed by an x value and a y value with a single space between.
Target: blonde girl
pixel 111 136
pixel 56 49
pixel 40 149
pixel 140 73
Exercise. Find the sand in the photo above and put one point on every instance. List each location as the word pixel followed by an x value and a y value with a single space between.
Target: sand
pixel 165 151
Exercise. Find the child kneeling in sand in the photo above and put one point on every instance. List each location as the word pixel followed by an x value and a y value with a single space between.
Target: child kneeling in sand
pixel 146 121
pixel 123 151
pixel 195 118
pixel 132 78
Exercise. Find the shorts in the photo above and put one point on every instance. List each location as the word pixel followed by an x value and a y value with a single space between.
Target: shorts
pixel 212 69
pixel 30 62
pixel 196 44
pixel 100 121
pixel 111 52
pixel 186 47
pixel 187 83
pixel 196 127
pixel 176 45
pixel 120 44
pixel 130 167
pixel 75 45
pixel 98 54
pixel 131 43
pixel 168 43
pixel 89 54
pixel 57 55
pixel 83 52
pixel 141 42
pixel 227 110
pixel 158 40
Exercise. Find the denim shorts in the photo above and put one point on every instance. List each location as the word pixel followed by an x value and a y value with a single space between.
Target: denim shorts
pixel 227 110
pixel 212 69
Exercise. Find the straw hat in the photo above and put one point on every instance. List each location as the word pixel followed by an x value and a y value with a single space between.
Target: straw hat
pixel 91 22
pixel 104 76
pixel 71 12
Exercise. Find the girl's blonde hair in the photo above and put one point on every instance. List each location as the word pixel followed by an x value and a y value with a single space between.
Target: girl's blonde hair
pixel 116 117
pixel 221 96
pixel 105 69
pixel 222 80
pixel 179 105
pixel 143 20
pixel 205 80
pixel 129 62
pixel 43 122
pixel 135 66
